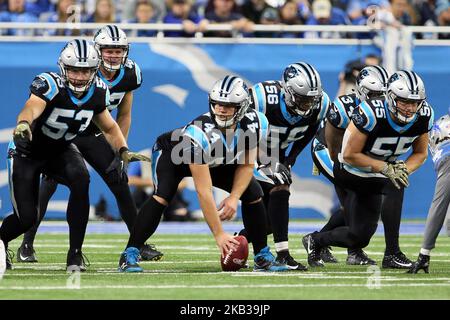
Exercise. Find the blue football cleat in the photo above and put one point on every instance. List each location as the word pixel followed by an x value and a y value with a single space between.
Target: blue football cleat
pixel 265 261
pixel 129 260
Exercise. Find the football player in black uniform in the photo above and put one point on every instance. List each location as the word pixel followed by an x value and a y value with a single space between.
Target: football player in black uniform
pixel 218 148
pixel 371 82
pixel 381 130
pixel 122 76
pixel 59 108
pixel 294 106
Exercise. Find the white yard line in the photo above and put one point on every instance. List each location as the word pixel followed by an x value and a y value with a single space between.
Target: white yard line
pixel 144 263
pixel 225 286
pixel 319 276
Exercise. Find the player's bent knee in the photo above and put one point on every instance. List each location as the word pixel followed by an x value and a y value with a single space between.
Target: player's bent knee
pixel 256 201
pixel 161 200
pixel 79 177
pixel 283 187
pixel 361 239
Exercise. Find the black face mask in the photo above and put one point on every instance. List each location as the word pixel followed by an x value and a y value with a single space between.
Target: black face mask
pixel 376 94
pixel 304 104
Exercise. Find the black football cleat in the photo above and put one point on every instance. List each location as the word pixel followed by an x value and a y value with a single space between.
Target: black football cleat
pixel 357 257
pixel 26 253
pixel 422 263
pixel 313 251
pixel 327 256
pixel 396 261
pixel 285 258
pixel 148 252
pixel 76 261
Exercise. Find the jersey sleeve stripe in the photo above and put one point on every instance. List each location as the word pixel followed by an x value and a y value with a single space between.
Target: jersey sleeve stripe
pixel 345 121
pixel 138 73
pixel 107 97
pixel 264 125
pixel 260 98
pixel 198 135
pixel 324 107
pixel 431 121
pixel 323 156
pixel 53 88
pixel 370 116
pixel 155 158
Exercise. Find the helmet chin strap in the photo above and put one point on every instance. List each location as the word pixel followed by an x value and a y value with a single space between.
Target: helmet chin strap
pixel 225 123
pixel 79 90
pixel 401 118
pixel 110 67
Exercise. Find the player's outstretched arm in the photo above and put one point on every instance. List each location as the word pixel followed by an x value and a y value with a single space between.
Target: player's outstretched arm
pixel 352 149
pixel 203 186
pixel 419 154
pixel 242 177
pixel 123 117
pixel 333 137
pixel 115 137
pixel 32 110
pixel 110 129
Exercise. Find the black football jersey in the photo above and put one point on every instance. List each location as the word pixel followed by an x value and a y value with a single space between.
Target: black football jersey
pixel 285 128
pixel 386 139
pixel 339 114
pixel 201 142
pixel 64 116
pixel 128 78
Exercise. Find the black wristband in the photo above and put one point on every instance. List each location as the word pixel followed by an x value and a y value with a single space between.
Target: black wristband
pixel 24 121
pixel 122 150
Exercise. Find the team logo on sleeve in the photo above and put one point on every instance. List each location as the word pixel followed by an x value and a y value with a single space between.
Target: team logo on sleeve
pixel 38 83
pixel 357 118
pixel 332 115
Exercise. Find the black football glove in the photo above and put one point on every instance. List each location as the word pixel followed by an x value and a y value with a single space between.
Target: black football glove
pixel 119 169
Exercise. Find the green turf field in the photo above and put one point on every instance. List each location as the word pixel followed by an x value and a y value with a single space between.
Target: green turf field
pixel 191 270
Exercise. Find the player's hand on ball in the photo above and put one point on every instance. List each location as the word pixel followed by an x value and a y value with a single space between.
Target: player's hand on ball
pixel 228 207
pixel 226 242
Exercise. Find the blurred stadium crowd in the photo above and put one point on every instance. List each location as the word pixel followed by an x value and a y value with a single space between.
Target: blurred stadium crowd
pixel 196 15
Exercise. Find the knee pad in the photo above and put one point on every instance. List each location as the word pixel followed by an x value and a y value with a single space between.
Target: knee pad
pixel 253 193
pixel 282 188
pixel 361 240
pixel 280 194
